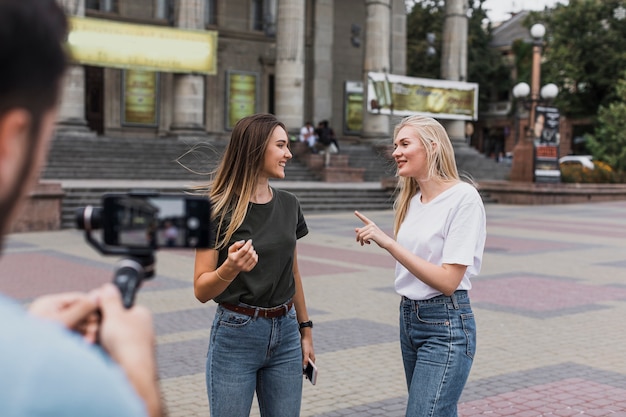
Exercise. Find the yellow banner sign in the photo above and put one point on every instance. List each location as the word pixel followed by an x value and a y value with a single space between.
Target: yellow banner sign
pixel 106 43
pixel 404 96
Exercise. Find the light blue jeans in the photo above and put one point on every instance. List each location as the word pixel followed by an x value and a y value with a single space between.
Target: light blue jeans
pixel 247 354
pixel 438 342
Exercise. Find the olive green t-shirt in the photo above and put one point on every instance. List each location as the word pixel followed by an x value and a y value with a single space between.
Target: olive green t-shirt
pixel 274 228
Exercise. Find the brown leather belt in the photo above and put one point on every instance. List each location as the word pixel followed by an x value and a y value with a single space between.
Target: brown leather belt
pixel 266 313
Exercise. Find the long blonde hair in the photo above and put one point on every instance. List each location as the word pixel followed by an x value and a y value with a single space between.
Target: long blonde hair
pixel 440 160
pixel 236 176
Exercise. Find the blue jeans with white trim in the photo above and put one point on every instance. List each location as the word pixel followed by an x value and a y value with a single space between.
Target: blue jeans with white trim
pixel 438 342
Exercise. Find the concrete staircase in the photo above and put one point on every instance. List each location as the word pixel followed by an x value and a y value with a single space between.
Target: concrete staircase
pixel 314 197
pixel 478 166
pixel 103 158
pixel 87 167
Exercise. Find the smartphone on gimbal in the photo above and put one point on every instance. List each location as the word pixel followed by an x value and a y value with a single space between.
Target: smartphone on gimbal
pixel 156 221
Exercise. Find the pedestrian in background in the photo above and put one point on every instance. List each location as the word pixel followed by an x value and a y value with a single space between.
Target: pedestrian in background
pixel 50 364
pixel 440 231
pixel 261 337
pixel 307 136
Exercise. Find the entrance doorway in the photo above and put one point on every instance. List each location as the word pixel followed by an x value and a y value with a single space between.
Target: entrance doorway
pixel 94 98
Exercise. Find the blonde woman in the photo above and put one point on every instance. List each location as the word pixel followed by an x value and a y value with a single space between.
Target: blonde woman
pixel 440 232
pixel 261 336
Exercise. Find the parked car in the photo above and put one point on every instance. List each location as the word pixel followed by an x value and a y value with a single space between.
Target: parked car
pixel 585 161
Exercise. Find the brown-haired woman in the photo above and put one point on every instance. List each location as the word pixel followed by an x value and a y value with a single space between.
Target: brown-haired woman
pixel 261 336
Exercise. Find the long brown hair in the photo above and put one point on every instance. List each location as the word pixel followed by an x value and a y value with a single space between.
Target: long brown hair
pixel 440 159
pixel 236 176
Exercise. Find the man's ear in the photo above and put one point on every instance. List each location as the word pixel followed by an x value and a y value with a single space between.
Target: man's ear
pixel 14 130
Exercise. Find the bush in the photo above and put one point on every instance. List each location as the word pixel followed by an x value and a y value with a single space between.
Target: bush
pixel 601 174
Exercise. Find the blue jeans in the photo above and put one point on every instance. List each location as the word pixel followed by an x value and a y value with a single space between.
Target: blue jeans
pixel 247 354
pixel 438 342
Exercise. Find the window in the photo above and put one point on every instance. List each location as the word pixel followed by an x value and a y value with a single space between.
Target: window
pixel 102 5
pixel 164 10
pixel 264 16
pixel 210 12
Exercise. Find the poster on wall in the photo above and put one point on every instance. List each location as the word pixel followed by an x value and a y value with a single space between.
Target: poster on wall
pixel 353 106
pixel 241 96
pixel 404 96
pixel 547 139
pixel 140 103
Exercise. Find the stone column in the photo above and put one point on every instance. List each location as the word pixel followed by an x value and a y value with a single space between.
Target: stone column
pixel 289 93
pixel 71 117
pixel 454 55
pixel 188 117
pixel 377 59
pixel 323 53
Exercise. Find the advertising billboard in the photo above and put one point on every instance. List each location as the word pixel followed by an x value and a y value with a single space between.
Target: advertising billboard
pixel 106 43
pixel 404 96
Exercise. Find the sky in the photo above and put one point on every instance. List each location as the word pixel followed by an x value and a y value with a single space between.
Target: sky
pixel 500 10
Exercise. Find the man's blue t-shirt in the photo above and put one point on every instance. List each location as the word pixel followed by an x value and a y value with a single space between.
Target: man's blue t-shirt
pixel 46 370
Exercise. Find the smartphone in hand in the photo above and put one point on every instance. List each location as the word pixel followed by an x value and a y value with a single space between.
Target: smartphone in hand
pixel 310 372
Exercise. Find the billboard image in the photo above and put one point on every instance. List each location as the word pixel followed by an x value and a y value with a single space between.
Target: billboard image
pixel 404 96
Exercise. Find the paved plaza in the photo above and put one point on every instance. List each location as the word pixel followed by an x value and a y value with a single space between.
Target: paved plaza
pixel 550 306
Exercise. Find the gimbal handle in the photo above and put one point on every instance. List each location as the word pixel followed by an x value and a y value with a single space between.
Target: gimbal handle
pixel 137 265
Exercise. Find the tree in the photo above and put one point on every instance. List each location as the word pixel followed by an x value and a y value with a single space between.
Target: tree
pixel 424 18
pixel 584 54
pixel 608 144
pixel 485 65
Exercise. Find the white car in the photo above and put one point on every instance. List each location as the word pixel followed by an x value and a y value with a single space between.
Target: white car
pixel 582 160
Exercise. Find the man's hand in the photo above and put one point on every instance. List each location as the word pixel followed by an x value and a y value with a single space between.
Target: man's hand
pixel 128 336
pixel 76 311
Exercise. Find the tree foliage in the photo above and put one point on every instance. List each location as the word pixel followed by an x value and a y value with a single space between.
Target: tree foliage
pixel 608 143
pixel 485 65
pixel 585 53
pixel 425 17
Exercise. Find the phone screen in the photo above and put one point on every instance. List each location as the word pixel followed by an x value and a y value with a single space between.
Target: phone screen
pixel 156 221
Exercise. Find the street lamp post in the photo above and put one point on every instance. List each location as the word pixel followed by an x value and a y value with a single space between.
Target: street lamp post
pixel 522 168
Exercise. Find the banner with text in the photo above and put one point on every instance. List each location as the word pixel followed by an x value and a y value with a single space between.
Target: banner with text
pixel 106 43
pixel 405 96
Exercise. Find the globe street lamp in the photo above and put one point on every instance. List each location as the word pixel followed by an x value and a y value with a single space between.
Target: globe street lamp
pixel 522 168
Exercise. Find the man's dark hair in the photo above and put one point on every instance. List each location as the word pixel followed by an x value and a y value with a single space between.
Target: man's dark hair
pixel 32 64
pixel 32 56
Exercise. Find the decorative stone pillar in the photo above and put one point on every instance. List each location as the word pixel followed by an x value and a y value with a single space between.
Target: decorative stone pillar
pixel 454 56
pixel 289 93
pixel 377 59
pixel 71 117
pixel 188 117
pixel 323 53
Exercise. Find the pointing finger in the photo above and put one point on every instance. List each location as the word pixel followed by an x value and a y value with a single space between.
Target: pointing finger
pixel 364 219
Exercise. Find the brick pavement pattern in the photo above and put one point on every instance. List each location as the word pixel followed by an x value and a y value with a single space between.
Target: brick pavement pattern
pixel 550 307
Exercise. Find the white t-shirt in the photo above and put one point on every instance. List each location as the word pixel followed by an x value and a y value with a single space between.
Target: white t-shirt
pixel 450 229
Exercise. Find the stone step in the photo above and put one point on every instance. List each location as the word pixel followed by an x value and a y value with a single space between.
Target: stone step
pixel 312 200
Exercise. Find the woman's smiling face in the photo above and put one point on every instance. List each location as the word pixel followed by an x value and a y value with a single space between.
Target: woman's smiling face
pixel 277 154
pixel 410 154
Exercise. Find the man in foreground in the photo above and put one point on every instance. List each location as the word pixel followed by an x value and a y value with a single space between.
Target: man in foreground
pixel 50 363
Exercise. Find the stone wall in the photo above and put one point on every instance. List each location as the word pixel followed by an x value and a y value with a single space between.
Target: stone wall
pixel 506 192
pixel 41 210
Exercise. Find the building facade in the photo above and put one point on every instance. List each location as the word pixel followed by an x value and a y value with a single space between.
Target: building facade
pixel 303 60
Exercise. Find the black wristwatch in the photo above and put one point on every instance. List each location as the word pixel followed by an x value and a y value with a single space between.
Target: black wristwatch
pixel 306 324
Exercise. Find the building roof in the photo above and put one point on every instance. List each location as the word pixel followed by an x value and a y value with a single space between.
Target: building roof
pixel 510 31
